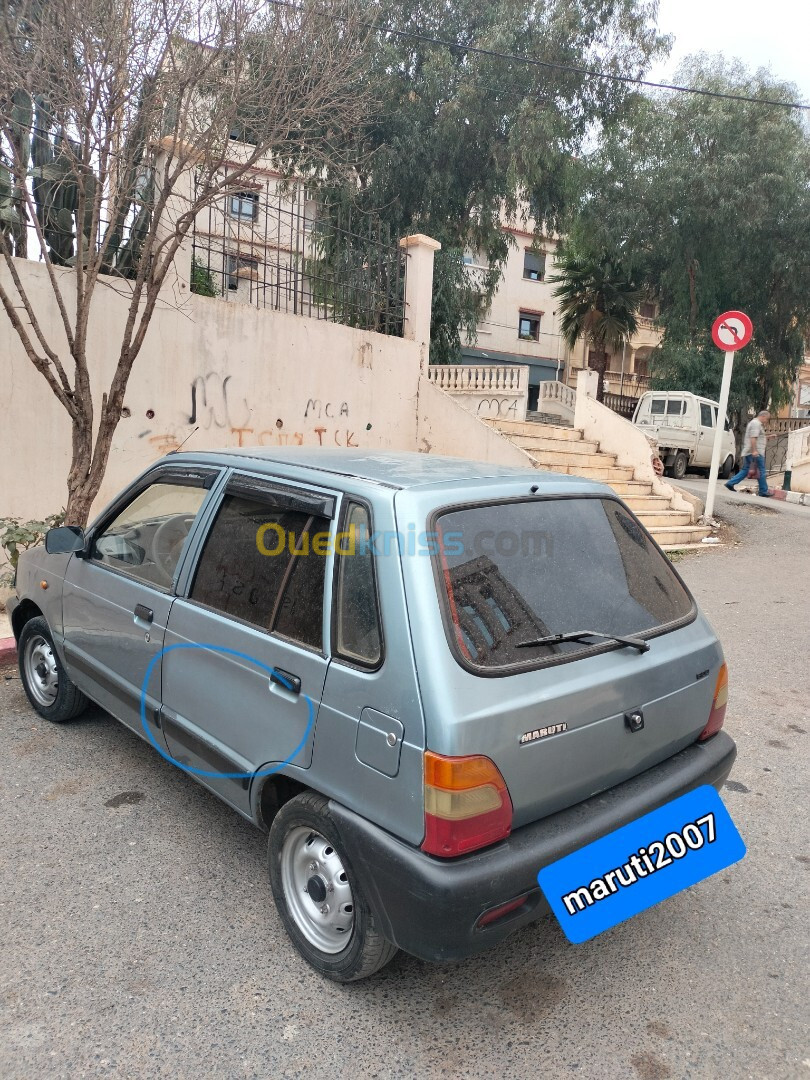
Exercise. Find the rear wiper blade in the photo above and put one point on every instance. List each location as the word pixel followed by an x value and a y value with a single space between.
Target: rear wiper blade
pixel 578 635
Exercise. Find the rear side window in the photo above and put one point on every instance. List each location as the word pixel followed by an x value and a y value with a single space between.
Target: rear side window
pixel 514 572
pixel 358 636
pixel 706 415
pixel 264 563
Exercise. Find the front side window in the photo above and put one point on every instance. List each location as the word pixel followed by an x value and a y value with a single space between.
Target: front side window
pixel 146 538
pixel 263 563
pixel 358 637
pixel 512 574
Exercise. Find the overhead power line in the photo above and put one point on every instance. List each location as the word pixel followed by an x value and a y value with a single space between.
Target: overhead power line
pixel 552 65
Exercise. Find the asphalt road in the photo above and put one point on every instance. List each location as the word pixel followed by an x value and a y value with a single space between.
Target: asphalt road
pixel 139 938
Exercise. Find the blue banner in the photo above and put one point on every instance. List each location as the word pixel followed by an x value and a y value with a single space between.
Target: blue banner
pixel 641 864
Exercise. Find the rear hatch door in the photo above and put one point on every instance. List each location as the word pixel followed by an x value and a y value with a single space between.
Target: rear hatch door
pixel 556 717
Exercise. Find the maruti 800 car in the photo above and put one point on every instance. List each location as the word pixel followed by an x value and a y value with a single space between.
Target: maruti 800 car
pixel 425 678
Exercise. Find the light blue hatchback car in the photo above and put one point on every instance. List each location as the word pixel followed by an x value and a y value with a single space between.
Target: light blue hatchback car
pixel 426 678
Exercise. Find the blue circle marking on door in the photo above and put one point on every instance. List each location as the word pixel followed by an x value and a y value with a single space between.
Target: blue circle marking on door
pixel 243 656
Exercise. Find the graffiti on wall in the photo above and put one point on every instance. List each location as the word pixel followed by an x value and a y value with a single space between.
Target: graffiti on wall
pixel 214 403
pixel 217 405
pixel 504 406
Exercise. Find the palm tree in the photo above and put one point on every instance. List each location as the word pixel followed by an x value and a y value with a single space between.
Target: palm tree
pixel 598 302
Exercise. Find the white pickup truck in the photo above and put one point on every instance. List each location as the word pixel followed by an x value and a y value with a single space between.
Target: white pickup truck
pixel 684 425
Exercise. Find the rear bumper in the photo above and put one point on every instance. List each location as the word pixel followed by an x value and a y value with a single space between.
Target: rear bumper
pixel 429 907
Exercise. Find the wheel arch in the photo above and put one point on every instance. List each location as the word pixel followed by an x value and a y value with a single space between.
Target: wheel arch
pixel 23 613
pixel 271 793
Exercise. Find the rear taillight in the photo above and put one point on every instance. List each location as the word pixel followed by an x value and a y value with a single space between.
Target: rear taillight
pixel 467 805
pixel 718 710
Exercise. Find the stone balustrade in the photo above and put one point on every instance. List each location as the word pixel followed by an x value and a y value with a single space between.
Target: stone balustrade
pixel 486 390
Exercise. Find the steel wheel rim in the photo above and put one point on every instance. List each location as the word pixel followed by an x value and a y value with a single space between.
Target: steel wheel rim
pixel 41 672
pixel 316 888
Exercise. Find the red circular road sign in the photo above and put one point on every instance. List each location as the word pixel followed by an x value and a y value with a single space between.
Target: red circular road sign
pixel 732 331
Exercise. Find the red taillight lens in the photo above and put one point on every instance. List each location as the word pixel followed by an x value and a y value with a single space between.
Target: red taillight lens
pixel 467 805
pixel 718 710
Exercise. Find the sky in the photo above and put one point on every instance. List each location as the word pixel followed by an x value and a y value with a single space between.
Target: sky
pixel 772 34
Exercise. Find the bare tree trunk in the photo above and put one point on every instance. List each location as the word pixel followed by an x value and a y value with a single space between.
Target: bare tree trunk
pixel 79 496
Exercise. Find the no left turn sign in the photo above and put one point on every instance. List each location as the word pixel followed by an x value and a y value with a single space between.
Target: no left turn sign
pixel 732 331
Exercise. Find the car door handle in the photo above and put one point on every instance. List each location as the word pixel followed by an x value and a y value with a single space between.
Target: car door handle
pixel 144 612
pixel 286 679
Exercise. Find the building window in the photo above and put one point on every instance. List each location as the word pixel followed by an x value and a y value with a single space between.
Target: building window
pixel 534 265
pixel 647 310
pixel 529 326
pixel 244 205
pixel 240 267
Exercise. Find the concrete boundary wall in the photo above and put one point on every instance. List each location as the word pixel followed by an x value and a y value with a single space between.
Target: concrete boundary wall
pixel 798 459
pixel 240 376
pixel 446 427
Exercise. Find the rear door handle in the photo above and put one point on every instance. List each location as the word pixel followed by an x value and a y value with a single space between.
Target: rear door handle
pixel 286 680
pixel 144 612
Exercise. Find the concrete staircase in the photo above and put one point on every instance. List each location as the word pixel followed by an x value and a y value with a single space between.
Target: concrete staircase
pixel 554 448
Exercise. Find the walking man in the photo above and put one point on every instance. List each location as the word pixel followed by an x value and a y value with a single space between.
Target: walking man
pixel 753 449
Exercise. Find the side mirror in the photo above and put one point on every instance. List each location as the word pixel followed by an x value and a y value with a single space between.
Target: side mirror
pixel 64 540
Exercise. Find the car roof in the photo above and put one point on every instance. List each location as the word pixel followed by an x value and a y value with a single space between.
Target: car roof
pixel 387 468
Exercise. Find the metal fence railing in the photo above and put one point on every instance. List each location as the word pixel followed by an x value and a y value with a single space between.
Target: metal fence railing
pixel 273 246
pixel 776 452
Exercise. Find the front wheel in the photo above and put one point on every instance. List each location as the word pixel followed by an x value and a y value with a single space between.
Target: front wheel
pixel 44 679
pixel 318 895
pixel 728 468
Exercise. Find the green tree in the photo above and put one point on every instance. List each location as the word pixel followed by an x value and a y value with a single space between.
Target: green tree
pixel 598 302
pixel 713 195
pixel 460 139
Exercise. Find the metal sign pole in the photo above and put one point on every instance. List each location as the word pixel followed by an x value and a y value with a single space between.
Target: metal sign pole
pixel 718 434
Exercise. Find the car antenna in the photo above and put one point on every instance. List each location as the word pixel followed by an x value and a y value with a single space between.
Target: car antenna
pixel 183 443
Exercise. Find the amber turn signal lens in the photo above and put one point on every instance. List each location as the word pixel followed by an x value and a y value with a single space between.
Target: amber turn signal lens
pixel 718 710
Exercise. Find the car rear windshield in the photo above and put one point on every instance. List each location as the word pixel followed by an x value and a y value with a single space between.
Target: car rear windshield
pixel 513 572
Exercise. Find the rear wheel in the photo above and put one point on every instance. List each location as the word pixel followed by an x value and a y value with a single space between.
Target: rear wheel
pixel 44 679
pixel 679 465
pixel 319 898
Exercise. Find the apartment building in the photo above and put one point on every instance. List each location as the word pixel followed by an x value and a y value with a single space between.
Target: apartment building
pixel 522 326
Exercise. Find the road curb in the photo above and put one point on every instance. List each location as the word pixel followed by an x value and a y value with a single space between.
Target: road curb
pixel 800 497
pixel 8 651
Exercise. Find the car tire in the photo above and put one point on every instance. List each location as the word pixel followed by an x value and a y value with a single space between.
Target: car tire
pixel 679 466
pixel 728 468
pixel 44 679
pixel 318 895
